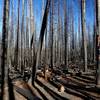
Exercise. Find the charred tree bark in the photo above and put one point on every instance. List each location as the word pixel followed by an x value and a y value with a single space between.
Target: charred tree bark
pixel 83 22
pixel 22 39
pixel 4 67
pixel 98 41
pixel 51 34
pixel 17 42
pixel 65 36
pixel 42 32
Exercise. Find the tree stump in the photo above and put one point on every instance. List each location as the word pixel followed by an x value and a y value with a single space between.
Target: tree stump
pixel 61 88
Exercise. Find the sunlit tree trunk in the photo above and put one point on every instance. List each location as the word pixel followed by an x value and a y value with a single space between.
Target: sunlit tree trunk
pixel 17 41
pixel 22 39
pixel 10 51
pixel 79 31
pixel 32 29
pixel 55 48
pixel 58 35
pixel 27 36
pixel 84 33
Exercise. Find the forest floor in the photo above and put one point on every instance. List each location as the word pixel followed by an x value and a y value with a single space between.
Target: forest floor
pixel 76 87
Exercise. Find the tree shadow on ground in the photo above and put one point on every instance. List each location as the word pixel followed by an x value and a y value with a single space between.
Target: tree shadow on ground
pixel 86 93
pixel 51 92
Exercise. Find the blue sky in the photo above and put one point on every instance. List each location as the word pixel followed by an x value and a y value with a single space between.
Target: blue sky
pixel 38 6
pixel 1 7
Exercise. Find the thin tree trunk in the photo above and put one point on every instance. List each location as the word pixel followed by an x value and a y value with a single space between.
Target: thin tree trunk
pixel 22 39
pixel 65 36
pixel 17 42
pixel 84 33
pixel 51 32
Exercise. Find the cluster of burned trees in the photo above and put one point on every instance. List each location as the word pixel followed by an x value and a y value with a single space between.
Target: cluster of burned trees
pixel 62 46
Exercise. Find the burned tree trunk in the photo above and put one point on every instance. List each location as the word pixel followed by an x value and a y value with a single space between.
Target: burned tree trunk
pixel 4 67
pixel 22 38
pixel 83 22
pixel 17 41
pixel 98 41
pixel 65 36
pixel 36 56
pixel 51 32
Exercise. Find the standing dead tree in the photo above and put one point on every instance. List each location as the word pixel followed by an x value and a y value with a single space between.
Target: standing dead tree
pixel 66 36
pixel 4 67
pixel 84 40
pixel 51 33
pixel 36 56
pixel 17 41
pixel 22 39
pixel 98 41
